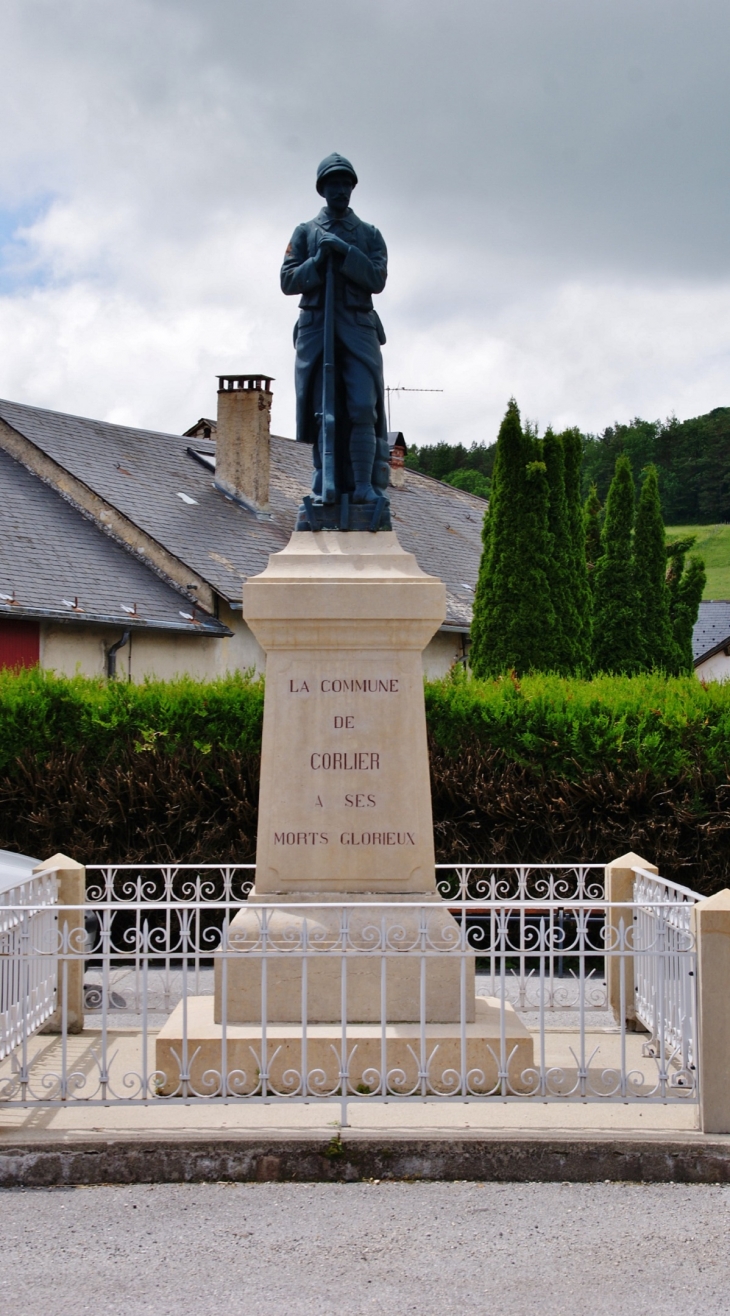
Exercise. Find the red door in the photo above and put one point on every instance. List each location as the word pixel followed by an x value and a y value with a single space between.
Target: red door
pixel 20 643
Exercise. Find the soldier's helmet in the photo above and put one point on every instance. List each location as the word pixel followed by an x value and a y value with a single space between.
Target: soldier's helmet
pixel 334 164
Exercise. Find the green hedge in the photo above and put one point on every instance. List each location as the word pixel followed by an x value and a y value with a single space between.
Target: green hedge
pixel 543 769
pixel 555 770
pixel 41 713
pixel 564 728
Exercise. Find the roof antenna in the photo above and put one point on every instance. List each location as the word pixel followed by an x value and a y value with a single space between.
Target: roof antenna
pixel 401 389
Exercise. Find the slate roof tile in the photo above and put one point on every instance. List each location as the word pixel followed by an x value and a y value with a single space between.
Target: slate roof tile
pixel 143 472
pixel 50 552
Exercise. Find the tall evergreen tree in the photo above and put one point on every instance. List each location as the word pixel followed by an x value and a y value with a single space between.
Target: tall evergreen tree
pixel 658 645
pixel 514 619
pixel 562 585
pixel 616 643
pixel 592 531
pixel 573 450
pixel 536 634
pixel 685 589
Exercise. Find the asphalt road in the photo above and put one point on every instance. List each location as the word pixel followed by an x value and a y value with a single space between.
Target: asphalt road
pixel 433 1249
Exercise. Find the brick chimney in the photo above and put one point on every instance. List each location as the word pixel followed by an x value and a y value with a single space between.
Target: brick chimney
pixel 242 439
pixel 398 450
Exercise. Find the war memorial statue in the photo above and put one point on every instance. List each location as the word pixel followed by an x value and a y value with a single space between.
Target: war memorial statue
pixel 344 972
pixel 335 263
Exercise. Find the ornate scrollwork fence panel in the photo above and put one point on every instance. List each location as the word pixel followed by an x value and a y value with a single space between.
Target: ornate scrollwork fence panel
pixel 345 1001
pixel 28 965
pixel 665 980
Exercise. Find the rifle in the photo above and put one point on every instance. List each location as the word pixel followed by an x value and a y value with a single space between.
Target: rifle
pixel 327 439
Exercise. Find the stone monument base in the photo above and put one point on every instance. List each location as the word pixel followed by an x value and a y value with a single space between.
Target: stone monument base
pixel 285 1054
pixel 345 798
pixel 403 926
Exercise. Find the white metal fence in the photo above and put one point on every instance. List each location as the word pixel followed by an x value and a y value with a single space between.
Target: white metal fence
pixel 28 958
pixel 665 980
pixel 184 1003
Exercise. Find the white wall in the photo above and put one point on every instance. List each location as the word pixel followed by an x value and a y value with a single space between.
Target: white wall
pixel 439 656
pixel 76 648
pixel 164 656
pixel 156 654
pixel 716 668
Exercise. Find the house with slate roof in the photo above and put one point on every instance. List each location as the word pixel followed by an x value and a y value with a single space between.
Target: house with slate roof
pixel 124 551
pixel 711 641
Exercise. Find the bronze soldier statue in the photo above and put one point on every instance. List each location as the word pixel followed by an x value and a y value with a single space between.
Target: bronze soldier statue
pixel 336 262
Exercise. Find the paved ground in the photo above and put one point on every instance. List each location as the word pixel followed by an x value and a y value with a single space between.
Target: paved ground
pixel 432 1249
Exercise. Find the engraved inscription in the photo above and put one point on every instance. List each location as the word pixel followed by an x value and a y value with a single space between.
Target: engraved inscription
pixel 354 685
pixel 301 838
pixel 377 838
pixel 345 761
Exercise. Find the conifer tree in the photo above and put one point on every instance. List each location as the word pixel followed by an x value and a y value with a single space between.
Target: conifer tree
pixel 616 645
pixel 658 646
pixel 561 576
pixel 592 530
pixel 536 633
pixel 573 449
pixel 514 619
pixel 685 589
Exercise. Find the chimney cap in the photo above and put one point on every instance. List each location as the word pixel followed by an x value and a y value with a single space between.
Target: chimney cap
pixel 255 383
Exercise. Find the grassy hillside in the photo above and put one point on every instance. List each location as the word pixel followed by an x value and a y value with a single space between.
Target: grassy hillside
pixel 713 544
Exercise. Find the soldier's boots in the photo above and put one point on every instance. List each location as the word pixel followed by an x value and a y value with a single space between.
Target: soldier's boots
pixel 362 457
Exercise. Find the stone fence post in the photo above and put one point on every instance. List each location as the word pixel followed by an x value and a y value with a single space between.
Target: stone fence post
pixel 711 925
pixel 620 888
pixel 71 878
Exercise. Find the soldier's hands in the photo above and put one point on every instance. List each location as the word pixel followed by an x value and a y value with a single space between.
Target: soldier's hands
pixel 329 243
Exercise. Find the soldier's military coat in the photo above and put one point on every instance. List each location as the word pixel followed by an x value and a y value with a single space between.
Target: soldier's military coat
pixel 357 325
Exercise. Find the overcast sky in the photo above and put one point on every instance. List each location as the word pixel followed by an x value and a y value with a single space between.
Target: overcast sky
pixel 551 178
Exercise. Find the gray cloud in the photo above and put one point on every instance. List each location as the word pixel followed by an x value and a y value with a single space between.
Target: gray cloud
pixel 544 174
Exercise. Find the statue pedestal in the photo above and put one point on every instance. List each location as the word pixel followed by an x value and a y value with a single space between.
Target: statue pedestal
pixel 344 821
pixel 345 798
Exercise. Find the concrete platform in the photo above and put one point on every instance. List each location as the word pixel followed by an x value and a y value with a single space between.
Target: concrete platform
pixel 286 1059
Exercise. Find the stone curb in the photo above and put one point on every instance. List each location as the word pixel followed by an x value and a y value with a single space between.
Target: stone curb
pixel 41 1163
